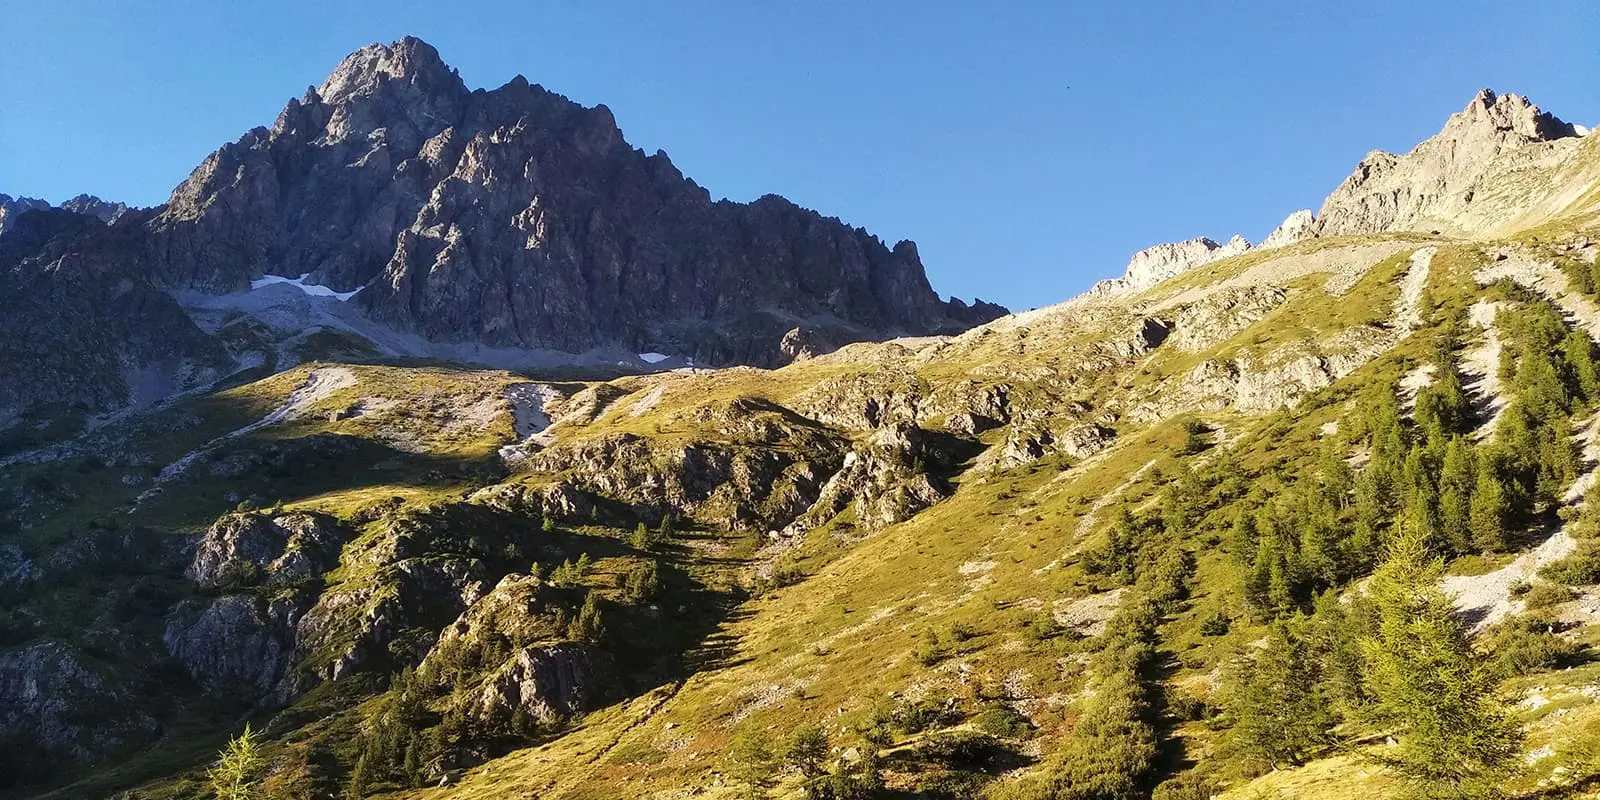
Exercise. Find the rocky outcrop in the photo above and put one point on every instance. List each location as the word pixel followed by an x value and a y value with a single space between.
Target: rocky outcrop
pixel 1221 314
pixel 1029 442
pixel 1153 265
pixel 763 471
pixel 238 646
pixel 394 616
pixel 1299 226
pixel 545 683
pixel 54 698
pixel 533 673
pixel 287 548
pixel 888 478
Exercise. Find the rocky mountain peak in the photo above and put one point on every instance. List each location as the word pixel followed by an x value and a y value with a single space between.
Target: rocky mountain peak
pixel 1461 181
pixel 11 208
pixel 408 61
pixel 1511 114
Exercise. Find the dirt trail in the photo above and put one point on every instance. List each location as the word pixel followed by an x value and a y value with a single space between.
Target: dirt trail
pixel 318 385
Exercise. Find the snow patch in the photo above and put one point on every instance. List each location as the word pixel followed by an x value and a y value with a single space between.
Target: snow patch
pixel 653 358
pixel 309 288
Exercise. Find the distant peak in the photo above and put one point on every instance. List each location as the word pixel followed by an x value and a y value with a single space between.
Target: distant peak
pixel 410 59
pixel 1513 113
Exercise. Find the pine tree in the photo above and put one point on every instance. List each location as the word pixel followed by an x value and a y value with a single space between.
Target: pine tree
pixel 1334 638
pixel 1337 479
pixel 1319 542
pixel 1455 736
pixel 643 582
pixel 1558 463
pixel 238 767
pixel 1487 515
pixel 357 784
pixel 640 539
pixel 1457 476
pixel 753 764
pixel 1279 716
pixel 1242 538
pixel 806 753
pixel 1421 507
pixel 1578 352
pixel 589 626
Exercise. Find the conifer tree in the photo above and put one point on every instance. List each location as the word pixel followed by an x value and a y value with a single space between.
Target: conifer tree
pixel 806 753
pixel 238 768
pixel 1278 714
pixel 753 764
pixel 1421 509
pixel 1335 475
pixel 1578 352
pixel 1457 476
pixel 1455 736
pixel 1334 636
pixel 1319 542
pixel 1242 538
pixel 1489 509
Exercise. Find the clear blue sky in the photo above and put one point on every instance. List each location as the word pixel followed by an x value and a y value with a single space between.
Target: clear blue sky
pixel 1028 147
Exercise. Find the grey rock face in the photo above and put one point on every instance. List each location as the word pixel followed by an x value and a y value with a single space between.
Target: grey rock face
pixel 238 645
pixel 1298 226
pixel 57 699
pixel 288 547
pixel 546 683
pixel 1224 313
pixel 515 217
pixel 540 678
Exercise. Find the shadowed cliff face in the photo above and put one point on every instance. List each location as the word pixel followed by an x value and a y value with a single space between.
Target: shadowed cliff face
pixel 516 217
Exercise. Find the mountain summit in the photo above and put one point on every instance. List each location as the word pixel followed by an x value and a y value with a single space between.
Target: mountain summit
pixel 515 217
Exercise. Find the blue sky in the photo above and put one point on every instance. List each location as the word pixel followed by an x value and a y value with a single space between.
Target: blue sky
pixel 1028 147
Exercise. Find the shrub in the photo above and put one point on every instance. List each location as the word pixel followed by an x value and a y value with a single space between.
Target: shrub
pixel 949 785
pixel 1186 786
pixel 962 748
pixel 1522 646
pixel 925 714
pixel 1544 595
pixel 930 650
pixel 1215 625
pixel 1579 569
pixel 961 632
pixel 1002 720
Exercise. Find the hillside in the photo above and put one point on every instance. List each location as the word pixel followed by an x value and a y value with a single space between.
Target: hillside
pixel 1174 537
